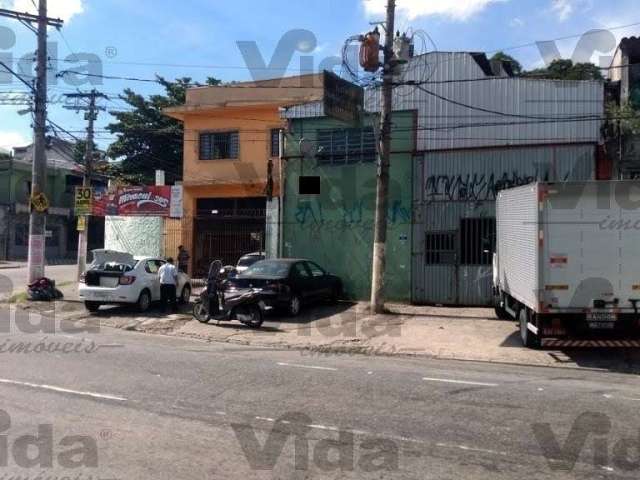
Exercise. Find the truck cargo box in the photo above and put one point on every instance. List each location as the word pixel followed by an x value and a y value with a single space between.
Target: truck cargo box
pixel 570 252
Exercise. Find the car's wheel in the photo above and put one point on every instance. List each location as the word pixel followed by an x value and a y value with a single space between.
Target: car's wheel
pixel 529 339
pixel 185 295
pixel 336 293
pixel 144 301
pixel 92 306
pixel 294 306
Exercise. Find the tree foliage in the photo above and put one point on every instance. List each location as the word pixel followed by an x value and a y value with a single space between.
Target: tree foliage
pixel 567 70
pixel 147 139
pixel 516 66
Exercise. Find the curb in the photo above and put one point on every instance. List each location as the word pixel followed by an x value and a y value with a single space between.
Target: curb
pixel 329 349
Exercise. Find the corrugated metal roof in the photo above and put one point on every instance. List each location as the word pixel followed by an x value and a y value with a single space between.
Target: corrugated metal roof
pixel 506 110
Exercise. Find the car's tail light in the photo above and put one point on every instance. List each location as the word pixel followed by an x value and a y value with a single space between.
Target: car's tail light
pixel 275 286
pixel 127 280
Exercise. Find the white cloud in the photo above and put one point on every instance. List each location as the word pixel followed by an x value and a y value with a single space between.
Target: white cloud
pixel 563 8
pixel 64 9
pixel 516 22
pixel 8 140
pixel 453 9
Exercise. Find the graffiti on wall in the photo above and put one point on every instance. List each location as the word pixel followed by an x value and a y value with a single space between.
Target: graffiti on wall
pixel 485 186
pixel 312 214
pixel 472 186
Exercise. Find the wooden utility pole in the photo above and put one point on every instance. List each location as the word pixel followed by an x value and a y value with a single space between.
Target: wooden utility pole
pixel 382 180
pixel 38 199
pixel 91 114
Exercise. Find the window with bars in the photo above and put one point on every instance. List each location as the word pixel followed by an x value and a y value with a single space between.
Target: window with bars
pixel 440 248
pixel 275 142
pixel 344 146
pixel 219 145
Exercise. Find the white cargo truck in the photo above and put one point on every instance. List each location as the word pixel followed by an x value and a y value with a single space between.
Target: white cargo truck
pixel 567 260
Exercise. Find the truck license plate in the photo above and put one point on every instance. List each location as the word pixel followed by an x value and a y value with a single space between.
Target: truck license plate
pixel 602 319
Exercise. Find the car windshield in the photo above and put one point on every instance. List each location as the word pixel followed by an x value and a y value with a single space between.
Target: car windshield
pixel 248 260
pixel 268 268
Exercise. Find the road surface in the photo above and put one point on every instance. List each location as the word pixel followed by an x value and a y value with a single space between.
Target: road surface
pixel 14 280
pixel 123 405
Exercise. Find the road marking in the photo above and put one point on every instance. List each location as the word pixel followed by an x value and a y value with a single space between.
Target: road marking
pixel 266 419
pixel 470 449
pixel 324 427
pixel 461 382
pixel 608 396
pixel 220 413
pixel 62 390
pixel 313 367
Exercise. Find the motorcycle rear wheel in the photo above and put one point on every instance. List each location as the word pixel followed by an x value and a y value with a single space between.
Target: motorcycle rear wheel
pixel 250 316
pixel 201 312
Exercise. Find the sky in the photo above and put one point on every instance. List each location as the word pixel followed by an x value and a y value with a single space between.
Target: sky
pixel 243 39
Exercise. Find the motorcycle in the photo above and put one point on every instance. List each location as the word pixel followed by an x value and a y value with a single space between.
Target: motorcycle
pixel 215 303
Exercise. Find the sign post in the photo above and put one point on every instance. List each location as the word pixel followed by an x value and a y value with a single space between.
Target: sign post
pixel 83 208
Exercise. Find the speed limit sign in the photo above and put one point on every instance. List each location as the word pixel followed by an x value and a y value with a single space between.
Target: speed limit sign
pixel 84 200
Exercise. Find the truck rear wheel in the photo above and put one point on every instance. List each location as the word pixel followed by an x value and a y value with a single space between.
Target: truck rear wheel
pixel 529 339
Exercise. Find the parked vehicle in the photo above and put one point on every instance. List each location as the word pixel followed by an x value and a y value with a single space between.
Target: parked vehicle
pixel 249 259
pixel 115 278
pixel 567 264
pixel 294 282
pixel 218 303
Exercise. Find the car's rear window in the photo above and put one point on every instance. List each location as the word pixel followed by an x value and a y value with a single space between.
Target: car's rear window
pixel 268 268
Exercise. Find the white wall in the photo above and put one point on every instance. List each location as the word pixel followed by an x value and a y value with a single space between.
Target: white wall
pixel 136 235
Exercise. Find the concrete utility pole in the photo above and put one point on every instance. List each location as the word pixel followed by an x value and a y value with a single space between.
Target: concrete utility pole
pixel 39 169
pixel 91 115
pixel 382 180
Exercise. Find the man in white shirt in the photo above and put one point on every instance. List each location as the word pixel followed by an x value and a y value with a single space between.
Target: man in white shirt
pixel 168 275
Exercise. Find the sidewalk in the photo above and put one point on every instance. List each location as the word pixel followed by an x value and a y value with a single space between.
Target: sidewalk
pixel 6 264
pixel 472 334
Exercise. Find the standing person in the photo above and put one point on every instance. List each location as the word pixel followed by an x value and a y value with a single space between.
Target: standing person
pixel 168 275
pixel 183 259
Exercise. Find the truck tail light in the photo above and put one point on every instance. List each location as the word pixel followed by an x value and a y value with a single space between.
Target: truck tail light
pixel 83 277
pixel 127 280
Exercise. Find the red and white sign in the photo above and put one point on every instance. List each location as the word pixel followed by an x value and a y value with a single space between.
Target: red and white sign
pixel 156 201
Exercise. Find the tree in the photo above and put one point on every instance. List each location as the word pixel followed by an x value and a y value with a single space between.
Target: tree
pixel 147 140
pixel 516 66
pixel 567 70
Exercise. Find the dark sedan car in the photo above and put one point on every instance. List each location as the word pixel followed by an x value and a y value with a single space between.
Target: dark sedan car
pixel 294 282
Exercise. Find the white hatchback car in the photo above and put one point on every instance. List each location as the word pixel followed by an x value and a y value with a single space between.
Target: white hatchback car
pixel 116 278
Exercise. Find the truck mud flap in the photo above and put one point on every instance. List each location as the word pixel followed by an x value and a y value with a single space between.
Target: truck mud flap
pixel 553 343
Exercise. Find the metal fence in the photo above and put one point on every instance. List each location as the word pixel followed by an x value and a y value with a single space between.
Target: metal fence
pixel 211 237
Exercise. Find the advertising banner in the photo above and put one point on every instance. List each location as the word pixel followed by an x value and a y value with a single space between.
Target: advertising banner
pixel 155 201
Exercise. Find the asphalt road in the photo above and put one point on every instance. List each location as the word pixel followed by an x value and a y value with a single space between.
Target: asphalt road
pixel 14 280
pixel 113 404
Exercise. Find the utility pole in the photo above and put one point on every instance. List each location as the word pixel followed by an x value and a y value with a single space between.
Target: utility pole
pixel 382 179
pixel 91 115
pixel 37 218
